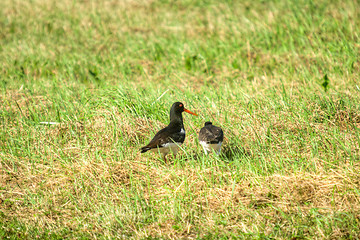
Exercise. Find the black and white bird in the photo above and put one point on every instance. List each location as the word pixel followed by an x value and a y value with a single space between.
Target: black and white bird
pixel 211 137
pixel 170 138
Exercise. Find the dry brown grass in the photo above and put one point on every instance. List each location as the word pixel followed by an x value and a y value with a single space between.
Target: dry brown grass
pixel 101 68
pixel 245 201
pixel 267 196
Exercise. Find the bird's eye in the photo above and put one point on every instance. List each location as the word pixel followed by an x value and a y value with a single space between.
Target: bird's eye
pixel 180 105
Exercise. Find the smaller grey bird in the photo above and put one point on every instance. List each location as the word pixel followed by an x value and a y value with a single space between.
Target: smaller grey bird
pixel 211 137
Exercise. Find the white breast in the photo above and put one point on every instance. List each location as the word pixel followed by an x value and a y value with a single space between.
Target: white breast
pixel 208 147
pixel 168 147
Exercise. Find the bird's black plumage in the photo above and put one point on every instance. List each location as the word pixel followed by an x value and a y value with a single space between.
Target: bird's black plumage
pixel 172 135
pixel 211 134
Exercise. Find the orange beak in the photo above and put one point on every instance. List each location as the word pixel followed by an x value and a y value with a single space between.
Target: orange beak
pixel 190 112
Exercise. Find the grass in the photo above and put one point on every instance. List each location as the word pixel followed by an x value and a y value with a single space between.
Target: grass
pixel 281 78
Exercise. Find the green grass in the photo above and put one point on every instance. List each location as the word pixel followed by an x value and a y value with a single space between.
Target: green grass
pixel 280 77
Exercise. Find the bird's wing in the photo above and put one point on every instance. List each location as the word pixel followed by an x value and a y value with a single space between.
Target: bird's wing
pixel 164 136
pixel 211 134
pixel 218 133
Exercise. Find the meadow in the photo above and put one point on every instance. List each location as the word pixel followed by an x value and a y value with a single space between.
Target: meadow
pixel 280 77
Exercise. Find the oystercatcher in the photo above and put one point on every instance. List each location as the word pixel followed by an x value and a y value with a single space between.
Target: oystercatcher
pixel 170 138
pixel 211 137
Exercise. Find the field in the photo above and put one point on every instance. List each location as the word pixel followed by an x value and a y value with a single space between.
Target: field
pixel 280 77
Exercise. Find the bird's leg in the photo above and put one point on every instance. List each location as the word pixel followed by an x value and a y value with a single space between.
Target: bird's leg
pixel 165 159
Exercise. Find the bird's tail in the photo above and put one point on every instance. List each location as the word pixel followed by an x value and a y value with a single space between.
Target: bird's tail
pixel 144 149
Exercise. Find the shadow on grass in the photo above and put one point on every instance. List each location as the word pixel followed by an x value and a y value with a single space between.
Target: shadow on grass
pixel 231 152
pixel 228 153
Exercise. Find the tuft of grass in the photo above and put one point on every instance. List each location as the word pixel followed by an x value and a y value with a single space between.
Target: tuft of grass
pixel 280 78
